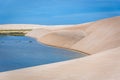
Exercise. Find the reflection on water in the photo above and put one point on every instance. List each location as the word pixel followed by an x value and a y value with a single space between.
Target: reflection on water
pixel 20 52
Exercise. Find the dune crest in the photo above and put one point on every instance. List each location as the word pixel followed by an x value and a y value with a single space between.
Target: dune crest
pixel 100 38
pixel 90 38
pixel 103 35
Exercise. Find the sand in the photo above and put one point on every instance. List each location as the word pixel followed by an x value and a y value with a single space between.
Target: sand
pixel 30 26
pixel 103 35
pixel 63 37
pixel 90 38
pixel 100 38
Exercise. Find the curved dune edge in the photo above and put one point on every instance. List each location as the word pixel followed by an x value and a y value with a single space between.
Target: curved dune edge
pixel 90 38
pixel 62 37
pixel 100 38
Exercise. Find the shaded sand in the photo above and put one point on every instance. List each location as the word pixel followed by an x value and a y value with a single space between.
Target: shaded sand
pixel 103 35
pixel 89 38
pixel 101 66
pixel 100 37
pixel 61 37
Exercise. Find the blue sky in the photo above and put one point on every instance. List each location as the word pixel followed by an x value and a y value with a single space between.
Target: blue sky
pixel 49 12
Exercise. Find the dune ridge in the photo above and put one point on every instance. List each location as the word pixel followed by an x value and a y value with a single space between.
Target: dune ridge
pixel 63 37
pixel 100 39
pixel 90 38
pixel 103 35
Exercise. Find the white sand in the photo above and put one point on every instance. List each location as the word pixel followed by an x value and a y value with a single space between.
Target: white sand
pixel 29 26
pixel 89 38
pixel 101 37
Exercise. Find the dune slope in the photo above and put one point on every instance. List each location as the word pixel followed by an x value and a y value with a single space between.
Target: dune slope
pixel 103 35
pixel 61 37
pixel 89 38
pixel 100 37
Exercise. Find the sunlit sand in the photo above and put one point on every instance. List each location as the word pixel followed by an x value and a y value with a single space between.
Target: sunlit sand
pixel 99 39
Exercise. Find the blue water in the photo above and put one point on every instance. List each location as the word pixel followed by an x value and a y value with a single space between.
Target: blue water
pixel 20 52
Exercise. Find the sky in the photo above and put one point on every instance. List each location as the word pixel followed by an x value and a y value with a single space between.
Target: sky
pixel 56 12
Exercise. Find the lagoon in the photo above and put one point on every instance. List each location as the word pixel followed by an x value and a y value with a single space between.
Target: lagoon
pixel 18 52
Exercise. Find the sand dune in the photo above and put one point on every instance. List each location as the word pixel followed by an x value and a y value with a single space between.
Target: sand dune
pixel 83 26
pixel 30 26
pixel 18 26
pixel 103 35
pixel 100 37
pixel 37 33
pixel 62 36
pixel 89 38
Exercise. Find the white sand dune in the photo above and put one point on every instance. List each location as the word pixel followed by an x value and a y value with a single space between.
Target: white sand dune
pixel 62 36
pixel 101 37
pixel 83 26
pixel 18 26
pixel 37 33
pixel 30 26
pixel 89 38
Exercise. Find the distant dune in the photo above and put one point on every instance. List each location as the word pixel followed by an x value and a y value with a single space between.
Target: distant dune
pixel 18 26
pixel 29 26
pixel 100 38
